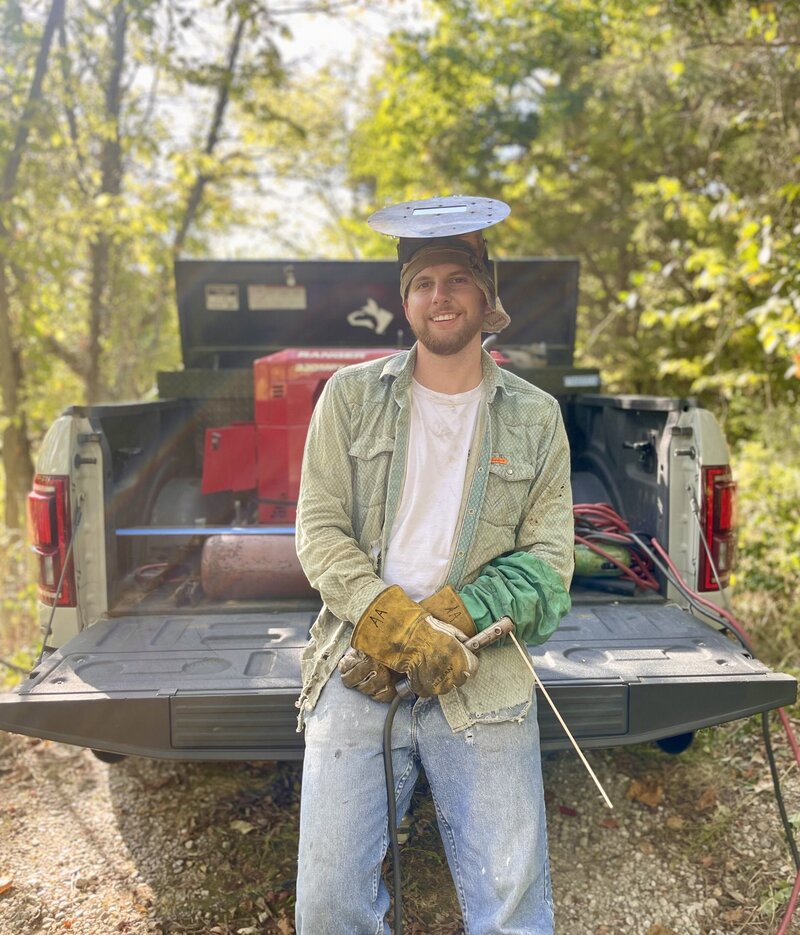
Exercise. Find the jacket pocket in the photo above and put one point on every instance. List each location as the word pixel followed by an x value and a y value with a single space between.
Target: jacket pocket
pixel 370 456
pixel 507 489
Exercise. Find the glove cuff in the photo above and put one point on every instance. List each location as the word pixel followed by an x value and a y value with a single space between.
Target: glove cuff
pixel 446 605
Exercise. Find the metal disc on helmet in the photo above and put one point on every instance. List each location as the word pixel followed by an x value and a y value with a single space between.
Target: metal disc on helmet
pixel 439 217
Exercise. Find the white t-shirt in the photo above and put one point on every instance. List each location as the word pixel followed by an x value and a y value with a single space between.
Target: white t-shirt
pixel 440 436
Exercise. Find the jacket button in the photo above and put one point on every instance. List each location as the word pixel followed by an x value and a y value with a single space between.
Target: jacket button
pixel 510 471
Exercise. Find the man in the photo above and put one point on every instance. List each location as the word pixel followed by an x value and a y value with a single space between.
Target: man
pixel 435 499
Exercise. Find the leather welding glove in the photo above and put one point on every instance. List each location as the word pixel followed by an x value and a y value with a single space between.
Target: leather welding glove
pixel 373 678
pixel 400 633
pixel 446 605
pixel 368 676
pixel 378 681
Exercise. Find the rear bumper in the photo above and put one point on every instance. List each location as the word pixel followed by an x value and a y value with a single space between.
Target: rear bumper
pixel 223 687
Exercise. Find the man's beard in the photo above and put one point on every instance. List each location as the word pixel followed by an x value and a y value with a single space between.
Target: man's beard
pixel 447 343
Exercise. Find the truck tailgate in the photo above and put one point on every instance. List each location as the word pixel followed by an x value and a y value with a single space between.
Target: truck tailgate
pixel 223 686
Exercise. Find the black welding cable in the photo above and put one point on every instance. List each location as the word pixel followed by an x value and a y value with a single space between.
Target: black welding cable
pixel 741 637
pixel 776 782
pixel 765 727
pixel 404 691
pixel 392 811
pixel 689 595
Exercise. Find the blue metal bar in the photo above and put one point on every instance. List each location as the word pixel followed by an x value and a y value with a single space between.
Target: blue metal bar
pixel 206 531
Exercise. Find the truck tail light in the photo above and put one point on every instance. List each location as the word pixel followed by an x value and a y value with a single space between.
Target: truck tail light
pixel 718 520
pixel 50 529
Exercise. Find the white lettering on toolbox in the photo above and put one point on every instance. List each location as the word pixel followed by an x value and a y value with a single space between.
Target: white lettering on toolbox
pixel 372 316
pixel 317 368
pixel 331 355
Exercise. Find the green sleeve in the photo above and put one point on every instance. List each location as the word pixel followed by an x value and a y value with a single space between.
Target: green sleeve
pixel 531 584
pixel 521 586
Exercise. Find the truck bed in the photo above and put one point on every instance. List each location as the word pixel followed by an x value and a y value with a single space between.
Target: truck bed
pixel 222 686
pixel 148 663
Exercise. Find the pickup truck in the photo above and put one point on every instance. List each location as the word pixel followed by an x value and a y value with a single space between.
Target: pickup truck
pixel 156 645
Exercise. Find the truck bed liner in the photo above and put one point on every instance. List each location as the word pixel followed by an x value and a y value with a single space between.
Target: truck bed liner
pixel 223 686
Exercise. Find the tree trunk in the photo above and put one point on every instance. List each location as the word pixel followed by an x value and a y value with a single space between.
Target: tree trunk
pixel 111 184
pixel 17 459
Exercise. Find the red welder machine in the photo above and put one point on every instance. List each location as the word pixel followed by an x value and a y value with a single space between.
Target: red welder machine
pixel 262 460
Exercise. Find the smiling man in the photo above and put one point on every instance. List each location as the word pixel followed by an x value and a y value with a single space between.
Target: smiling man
pixel 445 309
pixel 435 499
pixel 448 293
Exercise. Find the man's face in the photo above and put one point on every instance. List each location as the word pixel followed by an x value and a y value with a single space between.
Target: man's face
pixel 445 308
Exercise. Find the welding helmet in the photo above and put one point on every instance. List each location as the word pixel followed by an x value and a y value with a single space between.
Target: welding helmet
pixel 446 230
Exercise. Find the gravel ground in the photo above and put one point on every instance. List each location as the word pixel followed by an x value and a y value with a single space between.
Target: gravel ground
pixel 694 845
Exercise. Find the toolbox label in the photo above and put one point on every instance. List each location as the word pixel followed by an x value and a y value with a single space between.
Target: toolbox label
pixel 272 298
pixel 222 297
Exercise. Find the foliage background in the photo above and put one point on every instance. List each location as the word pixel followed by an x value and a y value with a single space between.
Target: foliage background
pixel 656 141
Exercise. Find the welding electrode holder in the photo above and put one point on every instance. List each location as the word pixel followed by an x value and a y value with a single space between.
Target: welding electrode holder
pixel 491 634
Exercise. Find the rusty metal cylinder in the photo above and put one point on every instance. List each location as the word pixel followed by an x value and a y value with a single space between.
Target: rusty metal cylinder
pixel 248 568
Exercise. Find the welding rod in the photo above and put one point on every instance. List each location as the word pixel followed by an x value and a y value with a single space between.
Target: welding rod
pixel 561 720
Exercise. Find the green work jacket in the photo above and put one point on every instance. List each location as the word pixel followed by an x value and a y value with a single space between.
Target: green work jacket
pixel 514 543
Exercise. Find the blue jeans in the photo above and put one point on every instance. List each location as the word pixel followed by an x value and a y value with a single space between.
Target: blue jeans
pixel 486 784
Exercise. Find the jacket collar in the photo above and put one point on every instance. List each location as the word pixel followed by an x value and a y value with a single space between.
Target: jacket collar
pixel 399 369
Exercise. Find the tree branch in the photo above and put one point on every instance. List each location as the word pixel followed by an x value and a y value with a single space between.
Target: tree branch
pixel 69 109
pixel 11 168
pixel 742 43
pixel 223 95
pixel 76 362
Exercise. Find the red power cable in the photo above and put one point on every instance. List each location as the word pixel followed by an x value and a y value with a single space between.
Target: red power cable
pixel 601 521
pixel 738 628
pixel 604 519
pixel 787 919
pixel 701 600
pixel 787 727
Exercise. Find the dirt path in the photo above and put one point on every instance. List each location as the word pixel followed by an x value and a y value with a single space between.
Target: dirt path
pixel 694 845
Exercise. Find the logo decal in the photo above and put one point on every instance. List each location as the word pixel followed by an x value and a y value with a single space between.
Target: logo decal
pixel 371 316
